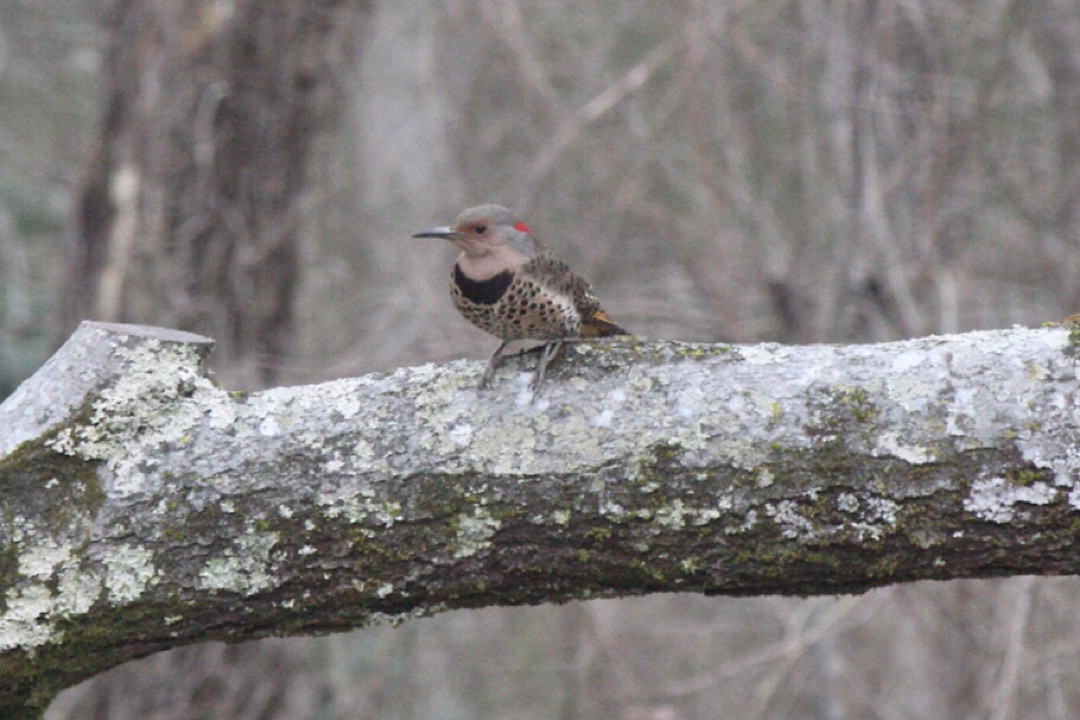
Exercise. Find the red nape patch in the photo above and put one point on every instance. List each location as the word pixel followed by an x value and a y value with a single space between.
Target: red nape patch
pixel 523 227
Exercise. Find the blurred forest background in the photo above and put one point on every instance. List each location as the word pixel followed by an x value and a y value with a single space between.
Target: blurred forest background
pixel 740 170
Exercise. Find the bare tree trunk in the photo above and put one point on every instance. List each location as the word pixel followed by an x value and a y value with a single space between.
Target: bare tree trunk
pixel 187 217
pixel 188 214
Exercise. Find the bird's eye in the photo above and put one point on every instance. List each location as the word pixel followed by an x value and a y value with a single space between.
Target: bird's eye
pixel 481 229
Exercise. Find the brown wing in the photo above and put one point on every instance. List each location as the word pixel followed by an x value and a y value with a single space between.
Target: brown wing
pixel 557 275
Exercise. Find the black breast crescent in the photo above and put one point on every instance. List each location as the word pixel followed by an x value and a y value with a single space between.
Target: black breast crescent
pixel 483 292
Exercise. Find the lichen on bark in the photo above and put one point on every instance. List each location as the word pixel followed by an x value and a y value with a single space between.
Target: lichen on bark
pixel 146 507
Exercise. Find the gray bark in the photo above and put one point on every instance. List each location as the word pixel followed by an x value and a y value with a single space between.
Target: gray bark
pixel 144 507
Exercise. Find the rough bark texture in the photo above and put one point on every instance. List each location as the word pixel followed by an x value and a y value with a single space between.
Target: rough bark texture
pixel 144 507
pixel 188 213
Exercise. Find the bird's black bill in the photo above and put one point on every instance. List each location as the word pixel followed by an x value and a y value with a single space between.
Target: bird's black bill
pixel 446 233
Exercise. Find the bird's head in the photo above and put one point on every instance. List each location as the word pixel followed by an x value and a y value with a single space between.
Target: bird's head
pixel 479 230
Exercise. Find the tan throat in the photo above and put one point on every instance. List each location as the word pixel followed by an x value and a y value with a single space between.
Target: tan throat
pixel 491 263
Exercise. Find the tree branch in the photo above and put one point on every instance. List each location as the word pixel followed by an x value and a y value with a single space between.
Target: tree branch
pixel 145 508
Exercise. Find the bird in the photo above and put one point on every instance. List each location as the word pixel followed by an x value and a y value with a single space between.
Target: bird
pixel 507 283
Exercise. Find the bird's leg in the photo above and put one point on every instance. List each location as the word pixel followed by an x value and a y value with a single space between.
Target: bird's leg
pixel 550 350
pixel 493 363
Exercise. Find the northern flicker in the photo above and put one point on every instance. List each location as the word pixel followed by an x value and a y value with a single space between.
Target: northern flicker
pixel 508 284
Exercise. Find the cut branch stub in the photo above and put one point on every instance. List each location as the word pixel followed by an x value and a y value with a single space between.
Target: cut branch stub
pixel 92 358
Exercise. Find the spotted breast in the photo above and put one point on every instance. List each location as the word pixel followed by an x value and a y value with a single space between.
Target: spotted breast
pixel 533 302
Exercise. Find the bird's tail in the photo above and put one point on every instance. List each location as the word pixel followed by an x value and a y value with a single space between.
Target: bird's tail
pixel 600 324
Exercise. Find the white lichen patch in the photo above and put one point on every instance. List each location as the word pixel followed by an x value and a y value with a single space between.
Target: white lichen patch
pixel 148 406
pixel 962 412
pixel 768 354
pixel 678 514
pixel 244 569
pixel 994 499
pixel 448 420
pixel 874 516
pixel 578 437
pixel 889 443
pixel 611 508
pixel 25 623
pixel 33 609
pixel 691 401
pixel 792 523
pixel 270 426
pixel 507 445
pixel 348 404
pixel 363 451
pixel 221 415
pixel 847 502
pixel 911 393
pixel 672 516
pixel 691 566
pixel 388 513
pixel 764 406
pixel 270 414
pixel 129 572
pixel 603 418
pixel 360 505
pixel 864 531
pixel 41 561
pixel 461 434
pixel 747 524
pixel 704 516
pixel 742 452
pixel 904 362
pixel 882 509
pixel 79 589
pixel 474 532
pixel 639 382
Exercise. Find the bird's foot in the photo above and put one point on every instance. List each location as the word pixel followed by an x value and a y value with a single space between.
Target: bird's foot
pixel 493 364
pixel 551 349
